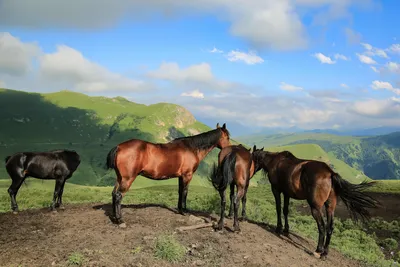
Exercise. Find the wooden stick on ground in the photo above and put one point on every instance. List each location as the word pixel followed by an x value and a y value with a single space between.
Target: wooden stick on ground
pixel 192 227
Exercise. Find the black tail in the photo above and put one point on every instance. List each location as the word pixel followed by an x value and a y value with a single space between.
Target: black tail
pixel 356 201
pixel 7 158
pixel 111 158
pixel 222 175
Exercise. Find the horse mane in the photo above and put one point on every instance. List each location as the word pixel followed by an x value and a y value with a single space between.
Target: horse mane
pixel 288 154
pixel 203 140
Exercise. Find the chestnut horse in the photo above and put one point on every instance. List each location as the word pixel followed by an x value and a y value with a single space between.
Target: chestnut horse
pixel 178 158
pixel 235 167
pixel 317 183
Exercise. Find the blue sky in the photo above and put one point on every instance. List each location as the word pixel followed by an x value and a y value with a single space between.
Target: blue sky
pixel 303 63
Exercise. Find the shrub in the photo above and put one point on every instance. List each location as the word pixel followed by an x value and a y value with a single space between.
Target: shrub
pixel 168 248
pixel 389 244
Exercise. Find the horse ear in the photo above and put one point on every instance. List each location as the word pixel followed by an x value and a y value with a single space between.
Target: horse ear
pixel 262 149
pixel 254 148
pixel 224 126
pixel 218 125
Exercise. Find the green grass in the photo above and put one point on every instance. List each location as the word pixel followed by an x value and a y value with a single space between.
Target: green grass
pixel 349 238
pixel 168 248
pixel 386 186
pixel 75 259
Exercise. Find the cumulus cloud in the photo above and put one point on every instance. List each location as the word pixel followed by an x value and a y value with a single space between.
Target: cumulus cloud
pixel 70 66
pixel 340 56
pixel 194 94
pixel 15 55
pixel 344 85
pixel 263 23
pixel 379 108
pixel 365 59
pixel 291 88
pixel 393 67
pixel 215 50
pixel 373 51
pixel 380 85
pixel 324 59
pixel 375 69
pixel 394 48
pixel 249 58
pixel 198 75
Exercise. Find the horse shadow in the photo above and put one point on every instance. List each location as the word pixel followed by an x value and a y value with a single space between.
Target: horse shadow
pixel 108 210
pixel 292 238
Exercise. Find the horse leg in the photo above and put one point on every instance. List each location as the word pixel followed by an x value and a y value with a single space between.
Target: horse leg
pixel 57 190
pixel 222 215
pixel 317 214
pixel 59 200
pixel 244 200
pixel 330 206
pixel 236 203
pixel 231 197
pixel 121 187
pixel 286 213
pixel 183 190
pixel 277 196
pixel 13 191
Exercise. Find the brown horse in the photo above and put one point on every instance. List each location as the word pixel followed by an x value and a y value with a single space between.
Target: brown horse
pixel 178 158
pixel 317 183
pixel 235 167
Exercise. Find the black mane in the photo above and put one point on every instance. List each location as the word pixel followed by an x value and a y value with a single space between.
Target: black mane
pixel 203 140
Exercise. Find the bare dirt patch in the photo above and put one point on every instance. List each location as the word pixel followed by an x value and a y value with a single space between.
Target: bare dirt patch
pixel 42 238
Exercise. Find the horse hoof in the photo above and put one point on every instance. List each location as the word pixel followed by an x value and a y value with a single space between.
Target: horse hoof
pixel 122 225
pixel 286 233
pixel 317 255
pixel 54 211
pixel 62 208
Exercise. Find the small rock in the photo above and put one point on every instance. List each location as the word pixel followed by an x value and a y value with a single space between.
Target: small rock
pixel 53 263
pixel 199 263
pixel 246 257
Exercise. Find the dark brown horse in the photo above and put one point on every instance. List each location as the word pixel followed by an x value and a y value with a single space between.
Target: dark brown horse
pixel 235 168
pixel 317 183
pixel 178 158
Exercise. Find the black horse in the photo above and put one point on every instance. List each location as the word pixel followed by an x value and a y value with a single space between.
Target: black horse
pixel 56 165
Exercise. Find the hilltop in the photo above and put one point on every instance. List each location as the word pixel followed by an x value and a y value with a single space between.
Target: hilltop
pixel 376 156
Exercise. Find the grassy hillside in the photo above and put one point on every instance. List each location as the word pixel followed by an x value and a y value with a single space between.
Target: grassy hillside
pixel 89 125
pixel 377 156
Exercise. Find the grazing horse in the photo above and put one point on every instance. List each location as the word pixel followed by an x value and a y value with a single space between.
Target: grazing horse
pixel 317 183
pixel 178 158
pixel 56 165
pixel 235 167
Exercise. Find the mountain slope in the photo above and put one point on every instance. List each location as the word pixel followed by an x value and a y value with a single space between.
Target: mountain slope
pixel 377 156
pixel 89 125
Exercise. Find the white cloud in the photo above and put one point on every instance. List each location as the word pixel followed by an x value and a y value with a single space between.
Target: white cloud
pixel 393 67
pixel 340 56
pixel 71 67
pixel 380 108
pixel 215 50
pixel 249 58
pixel 375 69
pixel 394 48
pixel 352 36
pixel 367 46
pixel 15 55
pixel 373 51
pixel 288 87
pixel 172 72
pixel 198 76
pixel 194 94
pixel 366 59
pixel 344 85
pixel 324 59
pixel 380 85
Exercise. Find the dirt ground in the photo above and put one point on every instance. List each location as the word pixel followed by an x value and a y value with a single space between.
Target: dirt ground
pixel 42 238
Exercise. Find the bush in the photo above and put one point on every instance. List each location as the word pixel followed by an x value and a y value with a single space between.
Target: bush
pixel 389 244
pixel 168 248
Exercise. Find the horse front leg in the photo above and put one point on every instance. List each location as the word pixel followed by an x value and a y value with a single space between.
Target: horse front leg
pixel 183 192
pixel 13 191
pixel 277 196
pixel 121 187
pixel 286 213
pixel 59 200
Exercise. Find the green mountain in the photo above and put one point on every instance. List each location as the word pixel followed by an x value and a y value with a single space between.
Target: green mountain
pixel 91 126
pixel 376 156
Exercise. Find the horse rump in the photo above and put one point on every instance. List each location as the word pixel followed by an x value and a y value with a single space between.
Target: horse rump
pixel 221 176
pixel 110 163
pixel 7 158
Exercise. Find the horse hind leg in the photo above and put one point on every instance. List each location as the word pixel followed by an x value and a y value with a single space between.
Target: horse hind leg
pixel 285 214
pixel 220 224
pixel 316 212
pixel 17 181
pixel 330 206
pixel 236 203
pixel 57 190
pixel 231 198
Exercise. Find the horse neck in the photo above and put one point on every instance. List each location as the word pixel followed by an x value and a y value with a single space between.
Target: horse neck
pixel 201 154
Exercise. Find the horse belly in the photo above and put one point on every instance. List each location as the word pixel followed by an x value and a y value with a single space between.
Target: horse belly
pixel 169 167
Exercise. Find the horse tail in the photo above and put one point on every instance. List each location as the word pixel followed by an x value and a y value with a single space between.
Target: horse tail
pixel 356 200
pixel 7 158
pixel 111 157
pixel 222 175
